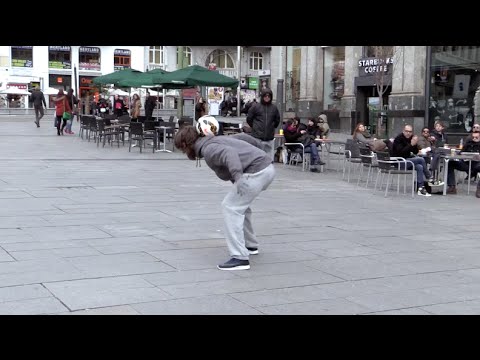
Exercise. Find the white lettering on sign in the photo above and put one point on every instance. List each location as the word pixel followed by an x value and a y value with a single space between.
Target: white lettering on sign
pixel 91 50
pixel 375 65
pixel 59 48
pixel 122 52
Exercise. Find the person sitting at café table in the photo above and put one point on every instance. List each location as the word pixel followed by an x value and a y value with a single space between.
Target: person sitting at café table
pixel 405 146
pixel 438 133
pixel 296 132
pixel 461 165
pixel 426 145
pixel 475 128
pixel 323 125
pixel 363 136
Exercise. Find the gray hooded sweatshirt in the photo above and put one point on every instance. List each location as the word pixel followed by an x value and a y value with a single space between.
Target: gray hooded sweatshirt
pixel 231 156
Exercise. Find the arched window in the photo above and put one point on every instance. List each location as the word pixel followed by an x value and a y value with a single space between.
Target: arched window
pixel 221 59
pixel 156 57
pixel 187 54
pixel 256 61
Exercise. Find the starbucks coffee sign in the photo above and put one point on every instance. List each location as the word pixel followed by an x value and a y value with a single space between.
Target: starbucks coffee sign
pixel 371 66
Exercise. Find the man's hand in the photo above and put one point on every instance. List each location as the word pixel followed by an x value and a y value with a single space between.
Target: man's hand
pixel 242 186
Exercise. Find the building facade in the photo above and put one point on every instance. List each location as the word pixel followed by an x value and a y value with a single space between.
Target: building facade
pixel 383 86
pixel 65 67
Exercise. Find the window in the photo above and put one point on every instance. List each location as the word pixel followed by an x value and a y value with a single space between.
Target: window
pixel 221 59
pixel 256 61
pixel 453 93
pixel 187 54
pixel 22 56
pixel 292 78
pixel 89 58
pixel 378 51
pixel 121 59
pixel 334 75
pixel 59 57
pixel 156 57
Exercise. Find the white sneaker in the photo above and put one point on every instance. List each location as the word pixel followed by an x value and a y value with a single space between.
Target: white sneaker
pixel 423 192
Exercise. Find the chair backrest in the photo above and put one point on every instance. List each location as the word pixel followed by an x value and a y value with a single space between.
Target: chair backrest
pixel 124 119
pixel 185 121
pixel 149 126
pixel 366 155
pixel 352 145
pixel 171 118
pixel 383 158
pixel 141 118
pixel 136 128
pixel 101 124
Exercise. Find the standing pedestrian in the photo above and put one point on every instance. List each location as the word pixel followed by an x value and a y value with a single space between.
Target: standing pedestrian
pixel 38 103
pixel 264 118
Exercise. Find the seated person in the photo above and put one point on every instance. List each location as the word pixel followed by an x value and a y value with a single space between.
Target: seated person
pixel 475 128
pixel 361 135
pixel 439 135
pixel 405 145
pixel 426 144
pixel 323 125
pixel 471 146
pixel 295 131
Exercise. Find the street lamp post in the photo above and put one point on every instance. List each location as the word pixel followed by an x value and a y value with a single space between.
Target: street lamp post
pixel 239 69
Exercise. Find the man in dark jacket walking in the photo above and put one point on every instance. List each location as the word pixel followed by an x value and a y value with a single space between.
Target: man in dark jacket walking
pixel 264 118
pixel 38 100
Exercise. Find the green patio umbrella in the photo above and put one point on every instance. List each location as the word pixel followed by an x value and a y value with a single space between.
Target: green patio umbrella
pixel 195 75
pixel 147 78
pixel 117 76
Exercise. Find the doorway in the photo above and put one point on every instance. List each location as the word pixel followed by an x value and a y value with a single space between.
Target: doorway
pixel 368 107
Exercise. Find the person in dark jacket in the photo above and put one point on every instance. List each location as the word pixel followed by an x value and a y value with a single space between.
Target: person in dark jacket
pixel 264 118
pixel 149 106
pixel 472 145
pixel 200 109
pixel 38 99
pixel 405 145
pixel 439 135
pixel 240 159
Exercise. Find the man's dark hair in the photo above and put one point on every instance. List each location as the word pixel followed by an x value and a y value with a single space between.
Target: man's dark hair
pixel 185 141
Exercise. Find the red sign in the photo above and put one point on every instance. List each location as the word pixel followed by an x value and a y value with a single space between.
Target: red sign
pixel 212 66
pixel 189 93
pixel 18 86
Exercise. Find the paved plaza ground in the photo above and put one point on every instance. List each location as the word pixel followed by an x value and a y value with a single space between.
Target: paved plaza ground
pixel 87 230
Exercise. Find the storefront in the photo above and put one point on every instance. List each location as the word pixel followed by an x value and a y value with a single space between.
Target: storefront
pixel 372 89
pixel 454 78
pixel 89 58
pixel 63 82
pixel 122 59
pixel 59 57
pixel 22 56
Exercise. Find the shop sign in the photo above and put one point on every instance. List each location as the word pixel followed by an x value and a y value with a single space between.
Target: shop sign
pixel 374 65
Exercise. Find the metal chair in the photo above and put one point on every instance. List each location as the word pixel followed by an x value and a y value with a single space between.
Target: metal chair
pixel 305 156
pixel 352 156
pixel 367 157
pixel 394 166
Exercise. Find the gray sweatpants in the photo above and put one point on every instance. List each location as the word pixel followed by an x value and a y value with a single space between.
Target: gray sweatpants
pixel 237 213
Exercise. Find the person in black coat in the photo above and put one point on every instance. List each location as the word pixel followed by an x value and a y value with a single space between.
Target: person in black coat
pixel 149 106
